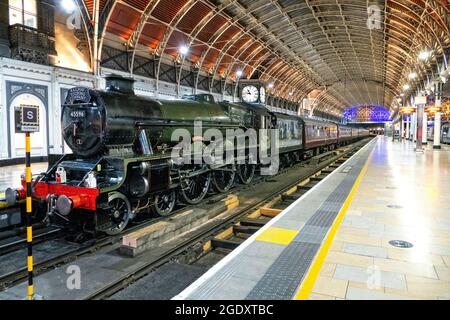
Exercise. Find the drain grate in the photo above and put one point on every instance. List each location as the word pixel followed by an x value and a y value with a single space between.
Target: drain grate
pixel 394 206
pixel 401 244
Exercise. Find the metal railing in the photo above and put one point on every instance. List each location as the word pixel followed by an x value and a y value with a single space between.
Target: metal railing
pixel 21 35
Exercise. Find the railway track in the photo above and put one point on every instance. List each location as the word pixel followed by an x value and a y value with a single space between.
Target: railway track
pixel 227 234
pixel 15 239
pixel 71 251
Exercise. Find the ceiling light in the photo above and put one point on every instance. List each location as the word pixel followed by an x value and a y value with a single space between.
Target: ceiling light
pixel 406 87
pixel 271 85
pixel 239 73
pixel 68 5
pixel 184 50
pixel 424 55
pixel 412 75
pixel 402 94
pixel 291 93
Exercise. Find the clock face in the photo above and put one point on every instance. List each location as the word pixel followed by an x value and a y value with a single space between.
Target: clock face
pixel 250 94
pixel 262 95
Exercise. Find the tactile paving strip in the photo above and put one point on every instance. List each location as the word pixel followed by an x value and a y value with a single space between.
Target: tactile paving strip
pixel 282 278
pixel 293 263
pixel 311 234
pixel 222 276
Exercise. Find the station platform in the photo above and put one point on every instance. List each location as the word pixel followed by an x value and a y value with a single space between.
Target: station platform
pixel 10 175
pixel 334 242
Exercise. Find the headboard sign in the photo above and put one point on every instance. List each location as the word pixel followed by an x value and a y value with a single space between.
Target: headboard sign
pixel 78 94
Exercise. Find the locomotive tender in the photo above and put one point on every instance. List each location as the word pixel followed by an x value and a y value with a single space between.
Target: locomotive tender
pixel 121 164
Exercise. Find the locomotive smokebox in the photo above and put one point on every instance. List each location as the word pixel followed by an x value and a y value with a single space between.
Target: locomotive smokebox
pixel 120 84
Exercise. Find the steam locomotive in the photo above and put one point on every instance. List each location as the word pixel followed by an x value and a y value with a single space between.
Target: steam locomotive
pixel 123 165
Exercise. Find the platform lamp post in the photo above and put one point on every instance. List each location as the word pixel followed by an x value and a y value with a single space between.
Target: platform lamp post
pixel 27 121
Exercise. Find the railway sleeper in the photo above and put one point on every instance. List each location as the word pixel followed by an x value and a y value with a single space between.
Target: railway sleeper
pixel 245 229
pixel 225 244
pixel 288 197
pixel 260 222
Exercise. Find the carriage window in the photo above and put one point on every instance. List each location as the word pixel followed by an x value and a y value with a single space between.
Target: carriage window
pixel 23 12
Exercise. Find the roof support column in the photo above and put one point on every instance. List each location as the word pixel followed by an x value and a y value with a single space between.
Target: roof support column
pixel 437 116
pixel 419 126
pixel 402 126
pixel 195 73
pixel 408 120
pixel 425 129
pixel 178 69
pixel 96 53
pixel 437 130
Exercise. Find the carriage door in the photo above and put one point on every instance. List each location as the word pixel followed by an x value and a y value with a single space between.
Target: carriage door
pixel 38 139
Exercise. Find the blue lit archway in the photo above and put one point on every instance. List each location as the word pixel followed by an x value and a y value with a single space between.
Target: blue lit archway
pixel 368 114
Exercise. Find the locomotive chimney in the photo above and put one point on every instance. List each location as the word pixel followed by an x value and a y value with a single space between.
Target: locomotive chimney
pixel 120 84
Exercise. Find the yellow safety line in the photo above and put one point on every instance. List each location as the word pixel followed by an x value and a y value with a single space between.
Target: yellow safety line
pixel 310 279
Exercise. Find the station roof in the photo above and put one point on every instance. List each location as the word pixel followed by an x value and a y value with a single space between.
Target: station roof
pixel 302 46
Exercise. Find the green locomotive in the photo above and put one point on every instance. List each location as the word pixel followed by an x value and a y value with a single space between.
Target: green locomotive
pixel 125 159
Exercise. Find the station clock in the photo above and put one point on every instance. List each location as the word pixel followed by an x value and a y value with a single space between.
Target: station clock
pixel 262 94
pixel 250 94
pixel 252 91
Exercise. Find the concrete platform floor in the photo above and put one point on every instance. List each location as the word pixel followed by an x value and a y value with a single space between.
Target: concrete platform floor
pixel 10 175
pixel 402 196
